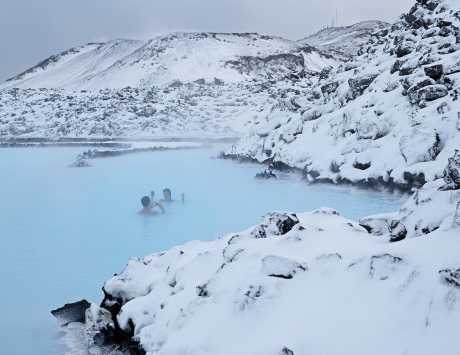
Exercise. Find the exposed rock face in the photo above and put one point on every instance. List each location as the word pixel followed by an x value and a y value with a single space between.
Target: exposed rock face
pixel 71 312
pixel 435 72
pixel 358 85
pixel 289 64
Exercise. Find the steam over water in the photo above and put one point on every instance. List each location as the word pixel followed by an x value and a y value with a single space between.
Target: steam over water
pixel 64 231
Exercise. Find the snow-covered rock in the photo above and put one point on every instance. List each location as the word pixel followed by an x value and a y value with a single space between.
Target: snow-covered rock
pixel 389 117
pixel 288 292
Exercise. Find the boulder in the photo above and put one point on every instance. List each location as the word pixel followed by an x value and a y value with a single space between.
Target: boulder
pixel 71 312
pixel 420 146
pixel 398 231
pixel 435 72
pixel 403 50
pixel 330 88
pixel 280 223
pixel 432 92
pixel 377 224
pixel 413 91
pixel 358 85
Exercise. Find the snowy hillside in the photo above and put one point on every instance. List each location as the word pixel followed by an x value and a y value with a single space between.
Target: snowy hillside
pixel 162 60
pixel 390 117
pixel 184 84
pixel 344 40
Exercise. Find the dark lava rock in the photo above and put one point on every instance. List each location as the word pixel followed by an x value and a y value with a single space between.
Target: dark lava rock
pixel 111 335
pixel 361 166
pixel 451 173
pixel 281 223
pixel 435 71
pixel 406 70
pixel 414 180
pixel 396 66
pixel 432 92
pixel 266 175
pixel 330 88
pixel 358 85
pixel 71 312
pixel 450 276
pixel 398 231
pixel 403 50
pixel 286 351
pixel 412 92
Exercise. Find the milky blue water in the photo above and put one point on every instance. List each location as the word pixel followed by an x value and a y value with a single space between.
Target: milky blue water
pixel 64 231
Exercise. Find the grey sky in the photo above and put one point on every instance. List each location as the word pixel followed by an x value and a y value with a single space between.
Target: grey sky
pixel 31 30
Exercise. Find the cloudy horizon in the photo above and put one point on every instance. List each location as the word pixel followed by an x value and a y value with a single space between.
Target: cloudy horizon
pixel 31 32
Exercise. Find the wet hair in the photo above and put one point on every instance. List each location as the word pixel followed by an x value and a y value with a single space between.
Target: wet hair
pixel 145 201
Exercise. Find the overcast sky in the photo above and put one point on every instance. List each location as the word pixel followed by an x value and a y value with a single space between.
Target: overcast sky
pixel 31 30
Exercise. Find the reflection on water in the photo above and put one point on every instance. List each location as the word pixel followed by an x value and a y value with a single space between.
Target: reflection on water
pixel 64 231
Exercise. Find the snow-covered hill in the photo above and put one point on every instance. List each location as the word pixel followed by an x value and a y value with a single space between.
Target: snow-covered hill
pixel 183 84
pixel 344 40
pixel 184 57
pixel 390 117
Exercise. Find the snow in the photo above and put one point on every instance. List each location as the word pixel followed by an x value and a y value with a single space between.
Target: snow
pixel 344 40
pixel 160 61
pixel 367 109
pixel 402 125
pixel 326 278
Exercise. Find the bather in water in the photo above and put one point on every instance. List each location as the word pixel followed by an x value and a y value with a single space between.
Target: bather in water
pixel 167 195
pixel 147 208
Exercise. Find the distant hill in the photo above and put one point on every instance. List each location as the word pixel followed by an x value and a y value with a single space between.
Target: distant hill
pixel 184 57
pixel 345 40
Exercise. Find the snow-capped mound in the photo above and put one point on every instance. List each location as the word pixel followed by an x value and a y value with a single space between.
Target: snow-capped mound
pixel 345 40
pixel 286 286
pixel 184 57
pixel 74 65
pixel 390 117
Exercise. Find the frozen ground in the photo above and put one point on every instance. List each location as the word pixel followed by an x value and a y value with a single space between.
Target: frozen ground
pixel 65 231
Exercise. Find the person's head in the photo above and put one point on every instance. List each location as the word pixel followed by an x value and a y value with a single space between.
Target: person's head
pixel 167 194
pixel 145 201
